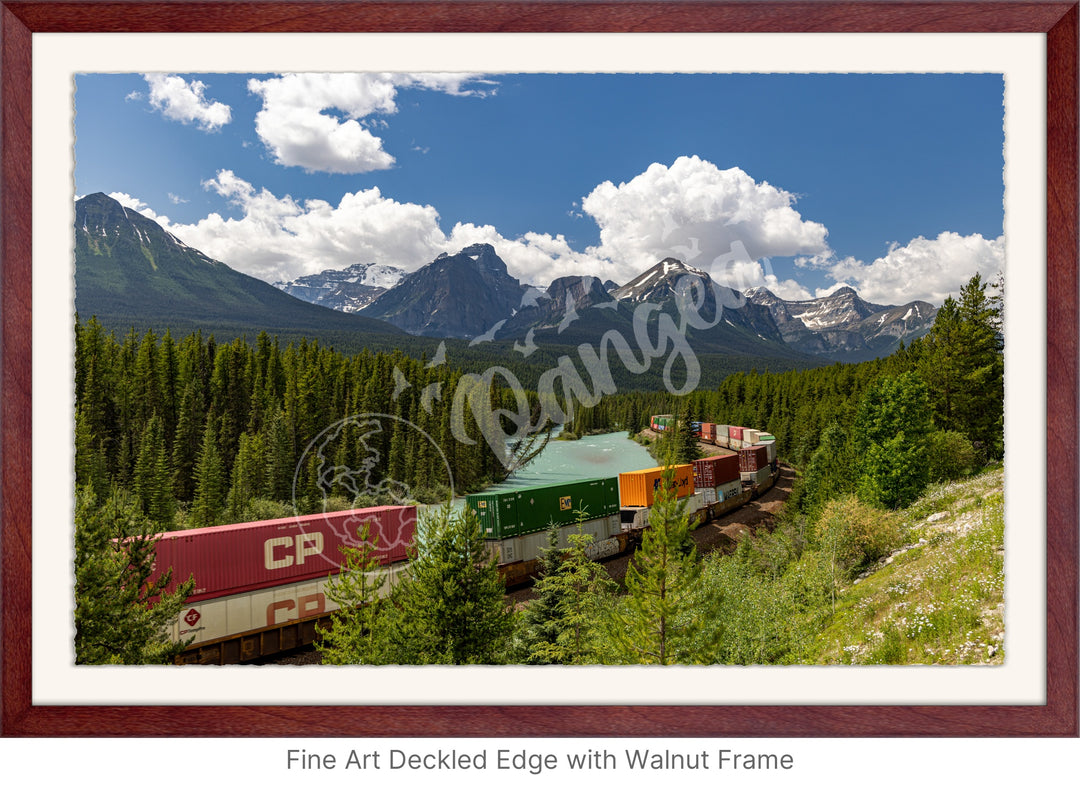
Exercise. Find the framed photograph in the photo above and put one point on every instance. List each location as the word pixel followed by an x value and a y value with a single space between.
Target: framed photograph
pixel 883 90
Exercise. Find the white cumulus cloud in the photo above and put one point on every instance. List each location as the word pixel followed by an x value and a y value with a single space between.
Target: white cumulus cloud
pixel 186 102
pixel 280 238
pixel 720 221
pixel 923 269
pixel 131 202
pixel 699 213
pixel 313 120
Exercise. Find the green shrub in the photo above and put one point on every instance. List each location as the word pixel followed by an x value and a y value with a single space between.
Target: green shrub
pixel 854 534
pixel 952 456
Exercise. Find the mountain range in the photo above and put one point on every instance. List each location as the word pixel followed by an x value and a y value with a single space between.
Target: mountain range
pixel 131 272
pixel 472 296
pixel 842 325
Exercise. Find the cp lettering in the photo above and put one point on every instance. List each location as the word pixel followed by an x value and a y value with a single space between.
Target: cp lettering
pixel 286 551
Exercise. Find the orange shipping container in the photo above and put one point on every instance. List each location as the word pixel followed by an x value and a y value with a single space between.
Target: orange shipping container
pixel 638 487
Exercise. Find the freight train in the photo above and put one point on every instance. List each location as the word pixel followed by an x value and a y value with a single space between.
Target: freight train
pixel 261 587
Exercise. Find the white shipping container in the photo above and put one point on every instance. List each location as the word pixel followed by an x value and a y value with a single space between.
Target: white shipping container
pixel 709 494
pixel 750 436
pixel 528 546
pixel 213 620
pixel 731 489
pixel 599 529
pixel 770 447
pixel 758 477
pixel 694 503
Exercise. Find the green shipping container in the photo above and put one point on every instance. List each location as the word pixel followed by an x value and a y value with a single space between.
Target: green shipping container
pixel 764 437
pixel 525 510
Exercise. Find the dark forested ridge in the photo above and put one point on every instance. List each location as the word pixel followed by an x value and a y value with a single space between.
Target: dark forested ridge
pixel 213 428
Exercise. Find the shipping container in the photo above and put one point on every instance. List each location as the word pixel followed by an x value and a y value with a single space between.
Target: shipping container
pixel 770 447
pixel 527 547
pixel 694 504
pixel 708 494
pixel 228 559
pixel 758 477
pixel 710 471
pixel 750 436
pixel 635 518
pixel 637 487
pixel 708 432
pixel 753 458
pixel 764 436
pixel 735 432
pixel 723 430
pixel 523 510
pixel 729 490
pixel 734 444
pixel 234 614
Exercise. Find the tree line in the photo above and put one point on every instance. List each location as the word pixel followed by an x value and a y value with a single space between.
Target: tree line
pixel 202 433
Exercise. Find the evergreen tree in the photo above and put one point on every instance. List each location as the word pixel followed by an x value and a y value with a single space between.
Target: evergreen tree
pixel 659 621
pixel 450 606
pixel 248 476
pixel 91 468
pixel 540 621
pixel 152 482
pixel 891 431
pixel 353 636
pixel 121 607
pixel 830 471
pixel 982 408
pixel 563 624
pixel 188 440
pixel 685 442
pixel 941 364
pixel 210 481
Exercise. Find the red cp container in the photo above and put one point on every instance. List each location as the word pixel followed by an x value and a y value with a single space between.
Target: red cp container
pixel 229 559
pixel 735 432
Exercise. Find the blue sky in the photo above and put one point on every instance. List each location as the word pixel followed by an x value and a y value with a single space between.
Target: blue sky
pixel 889 183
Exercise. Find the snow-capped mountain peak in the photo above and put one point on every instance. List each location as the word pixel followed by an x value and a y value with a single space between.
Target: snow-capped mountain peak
pixel 843 325
pixel 657 283
pixel 346 290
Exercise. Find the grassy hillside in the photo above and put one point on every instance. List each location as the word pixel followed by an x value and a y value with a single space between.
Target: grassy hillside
pixel 862 585
pixel 939 598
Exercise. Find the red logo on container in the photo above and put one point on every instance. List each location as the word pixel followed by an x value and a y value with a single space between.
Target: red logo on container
pixel 192 617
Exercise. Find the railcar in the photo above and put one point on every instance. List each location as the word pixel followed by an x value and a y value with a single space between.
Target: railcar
pixel 261 586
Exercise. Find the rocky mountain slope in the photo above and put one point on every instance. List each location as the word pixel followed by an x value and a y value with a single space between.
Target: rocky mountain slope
pixel 842 325
pixel 349 290
pixel 130 272
pixel 461 296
